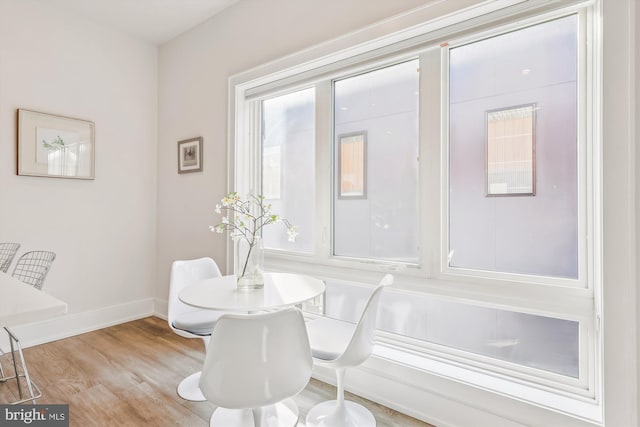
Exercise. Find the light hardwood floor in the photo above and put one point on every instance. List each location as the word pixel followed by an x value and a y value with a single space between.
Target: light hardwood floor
pixel 126 375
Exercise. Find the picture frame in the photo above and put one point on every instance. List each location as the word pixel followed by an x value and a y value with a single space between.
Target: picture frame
pixel 55 146
pixel 190 155
pixel 352 165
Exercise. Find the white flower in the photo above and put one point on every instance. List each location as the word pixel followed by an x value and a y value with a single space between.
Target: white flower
pixel 218 207
pixel 225 220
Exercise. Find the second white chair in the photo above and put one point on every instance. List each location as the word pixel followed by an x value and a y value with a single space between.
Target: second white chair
pixel 8 250
pixel 187 321
pixel 254 366
pixel 340 345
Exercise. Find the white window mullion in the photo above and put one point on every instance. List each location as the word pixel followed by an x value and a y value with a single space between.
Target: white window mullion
pixel 324 172
pixel 429 161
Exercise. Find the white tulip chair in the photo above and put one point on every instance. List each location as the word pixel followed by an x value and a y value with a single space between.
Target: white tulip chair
pixel 340 345
pixel 188 321
pixel 255 365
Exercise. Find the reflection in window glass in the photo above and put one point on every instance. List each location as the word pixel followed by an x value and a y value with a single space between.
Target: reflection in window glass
pixel 528 235
pixel 384 104
pixel 352 165
pixel 288 172
pixel 510 163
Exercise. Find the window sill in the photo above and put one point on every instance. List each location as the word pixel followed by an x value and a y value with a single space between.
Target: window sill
pixel 582 408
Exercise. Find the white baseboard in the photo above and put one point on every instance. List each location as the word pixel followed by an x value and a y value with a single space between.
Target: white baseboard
pixel 68 325
pixel 161 308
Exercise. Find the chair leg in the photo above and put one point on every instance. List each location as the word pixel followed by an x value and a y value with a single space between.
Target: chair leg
pixel 189 388
pixel 340 412
pixel 25 372
pixel 2 374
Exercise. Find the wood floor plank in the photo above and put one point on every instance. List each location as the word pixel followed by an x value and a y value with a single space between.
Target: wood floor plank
pixel 126 375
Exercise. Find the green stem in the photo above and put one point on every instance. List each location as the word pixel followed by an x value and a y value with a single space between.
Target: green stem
pixel 251 245
pixel 246 261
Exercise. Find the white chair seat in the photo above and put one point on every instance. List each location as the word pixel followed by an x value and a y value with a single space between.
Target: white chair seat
pixel 198 322
pixel 329 338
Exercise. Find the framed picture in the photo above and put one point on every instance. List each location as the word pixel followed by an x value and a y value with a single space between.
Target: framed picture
pixel 352 165
pixel 190 155
pixel 55 146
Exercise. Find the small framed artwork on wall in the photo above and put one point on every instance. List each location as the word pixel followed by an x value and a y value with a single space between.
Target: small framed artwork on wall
pixel 190 155
pixel 55 146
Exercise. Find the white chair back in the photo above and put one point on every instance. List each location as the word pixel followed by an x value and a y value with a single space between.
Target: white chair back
pixel 184 273
pixel 363 340
pixel 32 267
pixel 8 251
pixel 256 360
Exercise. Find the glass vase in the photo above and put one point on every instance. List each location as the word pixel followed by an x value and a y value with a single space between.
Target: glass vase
pixel 249 261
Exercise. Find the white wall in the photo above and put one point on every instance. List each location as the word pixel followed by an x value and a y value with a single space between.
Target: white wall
pixel 102 230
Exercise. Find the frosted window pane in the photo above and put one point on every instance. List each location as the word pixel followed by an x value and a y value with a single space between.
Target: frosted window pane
pixel 529 235
pixel 288 172
pixel 381 223
pixel 534 341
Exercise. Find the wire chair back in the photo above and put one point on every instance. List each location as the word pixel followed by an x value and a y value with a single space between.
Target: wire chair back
pixel 32 267
pixel 7 253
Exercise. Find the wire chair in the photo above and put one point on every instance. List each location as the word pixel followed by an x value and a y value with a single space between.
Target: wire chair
pixel 7 252
pixel 32 267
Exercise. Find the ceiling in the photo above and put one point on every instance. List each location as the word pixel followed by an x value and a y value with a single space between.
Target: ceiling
pixel 156 21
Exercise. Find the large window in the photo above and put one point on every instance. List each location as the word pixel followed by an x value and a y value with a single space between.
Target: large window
pixel 468 169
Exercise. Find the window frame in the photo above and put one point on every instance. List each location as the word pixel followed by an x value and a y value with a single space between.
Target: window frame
pixel 570 299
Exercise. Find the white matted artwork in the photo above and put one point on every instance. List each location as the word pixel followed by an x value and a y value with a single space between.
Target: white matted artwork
pixel 190 155
pixel 55 146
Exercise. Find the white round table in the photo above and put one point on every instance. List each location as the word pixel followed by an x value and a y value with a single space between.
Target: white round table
pixel 221 293
pixel 280 290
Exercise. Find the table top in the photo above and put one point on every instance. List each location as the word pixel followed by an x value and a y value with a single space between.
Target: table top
pixel 280 290
pixel 22 303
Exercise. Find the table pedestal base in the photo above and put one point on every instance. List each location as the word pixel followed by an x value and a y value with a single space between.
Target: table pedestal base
pixel 282 414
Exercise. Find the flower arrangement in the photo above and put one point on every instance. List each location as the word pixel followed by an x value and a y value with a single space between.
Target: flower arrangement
pixel 245 219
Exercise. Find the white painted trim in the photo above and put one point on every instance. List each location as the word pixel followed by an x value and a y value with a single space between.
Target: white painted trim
pixel 69 325
pixel 442 401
